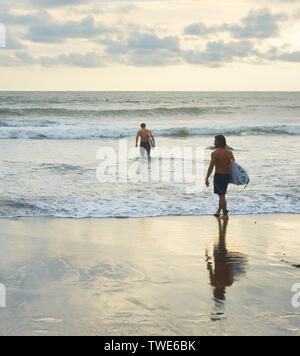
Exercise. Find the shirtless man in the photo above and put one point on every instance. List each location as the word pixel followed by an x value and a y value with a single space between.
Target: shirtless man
pixel 145 145
pixel 220 159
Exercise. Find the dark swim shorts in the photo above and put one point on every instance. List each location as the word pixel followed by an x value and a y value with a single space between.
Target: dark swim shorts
pixel 221 182
pixel 146 146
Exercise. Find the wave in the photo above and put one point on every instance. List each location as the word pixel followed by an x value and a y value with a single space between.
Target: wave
pixel 234 131
pixel 30 123
pixel 20 208
pixel 78 131
pixel 60 167
pixel 78 208
pixel 148 112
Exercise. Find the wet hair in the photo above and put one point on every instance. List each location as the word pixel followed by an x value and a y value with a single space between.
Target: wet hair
pixel 143 126
pixel 220 141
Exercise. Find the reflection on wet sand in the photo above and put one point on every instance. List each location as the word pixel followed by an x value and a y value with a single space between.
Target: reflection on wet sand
pixel 224 268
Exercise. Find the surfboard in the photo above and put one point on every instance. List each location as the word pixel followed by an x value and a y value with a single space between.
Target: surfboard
pixel 152 145
pixel 238 175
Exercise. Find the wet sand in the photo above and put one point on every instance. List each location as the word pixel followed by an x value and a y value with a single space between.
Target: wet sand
pixel 154 276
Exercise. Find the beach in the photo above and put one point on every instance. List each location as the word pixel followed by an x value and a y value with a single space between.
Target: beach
pixel 150 276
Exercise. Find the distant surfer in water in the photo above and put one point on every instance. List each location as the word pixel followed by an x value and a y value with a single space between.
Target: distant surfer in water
pixel 220 160
pixel 147 140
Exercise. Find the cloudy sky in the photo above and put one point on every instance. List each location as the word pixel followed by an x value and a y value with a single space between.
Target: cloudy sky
pixel 150 45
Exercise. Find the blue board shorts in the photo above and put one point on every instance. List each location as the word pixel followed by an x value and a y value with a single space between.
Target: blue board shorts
pixel 146 146
pixel 221 182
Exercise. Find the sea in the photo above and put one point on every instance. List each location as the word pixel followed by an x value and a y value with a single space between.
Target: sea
pixel 53 143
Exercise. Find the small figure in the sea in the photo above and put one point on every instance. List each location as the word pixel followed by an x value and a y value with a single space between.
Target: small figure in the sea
pixel 147 141
pixel 220 160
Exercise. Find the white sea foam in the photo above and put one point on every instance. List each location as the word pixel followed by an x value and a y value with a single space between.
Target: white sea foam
pixel 78 131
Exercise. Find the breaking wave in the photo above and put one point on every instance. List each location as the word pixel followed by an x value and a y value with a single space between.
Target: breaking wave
pixel 137 112
pixel 50 130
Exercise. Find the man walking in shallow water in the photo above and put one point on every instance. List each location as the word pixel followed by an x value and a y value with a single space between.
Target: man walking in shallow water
pixel 145 136
pixel 220 160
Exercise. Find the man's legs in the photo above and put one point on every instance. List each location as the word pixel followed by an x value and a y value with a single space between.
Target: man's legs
pixel 218 212
pixel 145 148
pixel 142 152
pixel 222 203
pixel 223 206
pixel 221 182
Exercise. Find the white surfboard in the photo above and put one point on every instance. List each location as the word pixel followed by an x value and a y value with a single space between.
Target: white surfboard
pixel 238 175
pixel 151 143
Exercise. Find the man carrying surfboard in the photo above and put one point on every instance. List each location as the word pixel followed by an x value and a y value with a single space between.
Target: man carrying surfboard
pixel 221 159
pixel 147 140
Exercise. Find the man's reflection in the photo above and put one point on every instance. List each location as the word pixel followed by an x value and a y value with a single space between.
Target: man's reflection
pixel 227 265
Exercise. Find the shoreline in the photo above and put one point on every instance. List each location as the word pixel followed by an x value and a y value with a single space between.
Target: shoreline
pixel 139 217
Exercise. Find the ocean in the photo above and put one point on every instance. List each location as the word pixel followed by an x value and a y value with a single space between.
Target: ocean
pixel 49 143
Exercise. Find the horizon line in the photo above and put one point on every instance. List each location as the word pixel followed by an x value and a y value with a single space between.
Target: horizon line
pixel 157 91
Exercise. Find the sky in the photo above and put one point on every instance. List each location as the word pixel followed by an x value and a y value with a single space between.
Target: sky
pixel 196 45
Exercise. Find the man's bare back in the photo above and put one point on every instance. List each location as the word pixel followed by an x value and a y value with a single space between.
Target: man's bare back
pixel 144 135
pixel 221 158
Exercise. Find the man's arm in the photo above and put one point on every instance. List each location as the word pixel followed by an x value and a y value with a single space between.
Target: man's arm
pixel 210 169
pixel 232 157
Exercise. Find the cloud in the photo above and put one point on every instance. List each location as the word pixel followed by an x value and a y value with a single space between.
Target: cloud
pixel 218 53
pixel 61 3
pixel 150 42
pixel 126 9
pixel 199 29
pixel 141 43
pixel 87 60
pixel 55 32
pixel 137 50
pixel 132 44
pixel 144 54
pixel 145 49
pixel 17 59
pixel 32 18
pixel 258 24
pixel 288 57
pixel 277 55
pixel 160 58
pixel 12 42
pixel 58 3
